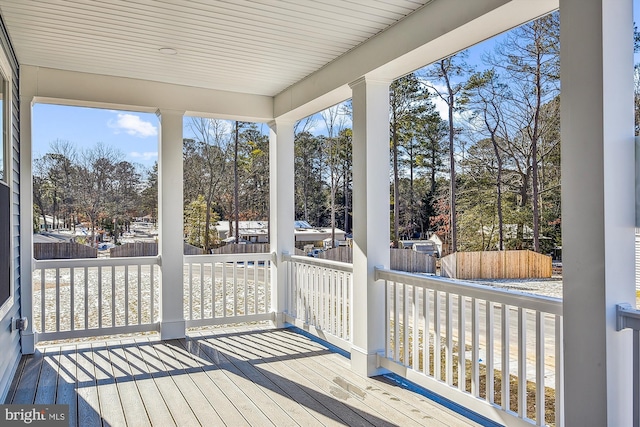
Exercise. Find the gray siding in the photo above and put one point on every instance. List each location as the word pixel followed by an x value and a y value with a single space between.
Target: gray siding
pixel 10 341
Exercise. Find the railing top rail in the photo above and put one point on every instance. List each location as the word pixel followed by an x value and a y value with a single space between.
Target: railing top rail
pixel 95 262
pixel 502 296
pixel 208 258
pixel 627 317
pixel 317 262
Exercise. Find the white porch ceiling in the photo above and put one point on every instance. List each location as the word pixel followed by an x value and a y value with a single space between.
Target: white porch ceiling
pixel 259 47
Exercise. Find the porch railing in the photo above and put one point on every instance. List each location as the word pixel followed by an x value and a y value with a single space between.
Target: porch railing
pixel 466 342
pixel 629 318
pixel 318 298
pixel 76 298
pixel 224 289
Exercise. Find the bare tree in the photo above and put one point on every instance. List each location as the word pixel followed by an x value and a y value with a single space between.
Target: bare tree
pixel 529 57
pixel 487 97
pixel 450 73
pixel 206 162
pixel 96 183
pixel 334 120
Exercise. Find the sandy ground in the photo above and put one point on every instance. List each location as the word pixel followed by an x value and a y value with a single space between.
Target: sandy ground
pixel 548 287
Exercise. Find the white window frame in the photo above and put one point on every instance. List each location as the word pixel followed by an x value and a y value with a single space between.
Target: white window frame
pixel 7 164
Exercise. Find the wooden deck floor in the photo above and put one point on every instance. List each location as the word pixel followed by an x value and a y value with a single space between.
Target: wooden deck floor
pixel 234 378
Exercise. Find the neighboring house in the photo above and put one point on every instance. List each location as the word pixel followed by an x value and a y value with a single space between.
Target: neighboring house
pixel 318 236
pixel 258 232
pixel 53 238
pixel 41 222
pixel 250 231
pixel 439 240
pixel 510 231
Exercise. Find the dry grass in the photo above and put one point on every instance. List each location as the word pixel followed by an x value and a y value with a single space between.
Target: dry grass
pixel 531 390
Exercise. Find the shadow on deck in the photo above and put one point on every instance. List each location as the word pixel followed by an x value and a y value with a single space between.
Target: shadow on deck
pixel 241 378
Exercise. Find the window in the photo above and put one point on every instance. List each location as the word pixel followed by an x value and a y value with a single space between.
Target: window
pixel 3 141
pixel 5 203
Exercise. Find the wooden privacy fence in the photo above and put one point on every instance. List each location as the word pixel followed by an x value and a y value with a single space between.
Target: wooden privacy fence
pixel 63 250
pixel 412 261
pixel 496 265
pixel 401 259
pixel 341 254
pixel 136 249
pixel 249 248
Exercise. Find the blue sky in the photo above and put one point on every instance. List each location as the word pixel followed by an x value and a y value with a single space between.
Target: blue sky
pixel 134 134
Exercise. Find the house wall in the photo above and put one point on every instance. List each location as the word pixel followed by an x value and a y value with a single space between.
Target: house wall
pixel 10 340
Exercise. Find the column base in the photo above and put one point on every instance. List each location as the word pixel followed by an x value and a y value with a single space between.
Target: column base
pixel 365 364
pixel 172 330
pixel 28 342
pixel 278 321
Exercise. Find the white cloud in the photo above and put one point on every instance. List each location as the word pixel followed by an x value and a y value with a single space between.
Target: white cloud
pixel 146 156
pixel 133 125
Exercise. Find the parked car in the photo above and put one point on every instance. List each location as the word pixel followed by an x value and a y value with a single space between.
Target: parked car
pixel 314 252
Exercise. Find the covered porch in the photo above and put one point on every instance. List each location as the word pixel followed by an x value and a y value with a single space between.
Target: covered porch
pixel 443 335
pixel 233 377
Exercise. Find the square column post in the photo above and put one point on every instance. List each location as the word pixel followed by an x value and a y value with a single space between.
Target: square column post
pixel 281 209
pixel 171 223
pixel 598 208
pixel 371 223
pixel 29 338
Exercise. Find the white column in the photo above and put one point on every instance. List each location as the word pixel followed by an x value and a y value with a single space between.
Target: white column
pixel 28 339
pixel 597 128
pixel 170 231
pixel 371 223
pixel 281 209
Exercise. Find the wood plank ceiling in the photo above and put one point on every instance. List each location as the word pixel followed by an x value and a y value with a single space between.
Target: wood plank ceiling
pixel 258 46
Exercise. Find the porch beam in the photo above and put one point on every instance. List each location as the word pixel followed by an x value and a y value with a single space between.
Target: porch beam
pixel 598 208
pixel 282 209
pixel 74 88
pixel 170 224
pixel 370 219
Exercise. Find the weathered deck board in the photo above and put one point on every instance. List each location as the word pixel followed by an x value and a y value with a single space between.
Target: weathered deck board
pixel 86 387
pixel 221 377
pixel 154 404
pixel 290 412
pixel 297 394
pixel 320 401
pixel 111 407
pixel 173 397
pixel 131 397
pixel 66 386
pixel 200 406
pixel 25 391
pixel 46 391
pixel 354 400
pixel 227 411
pixel 343 386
